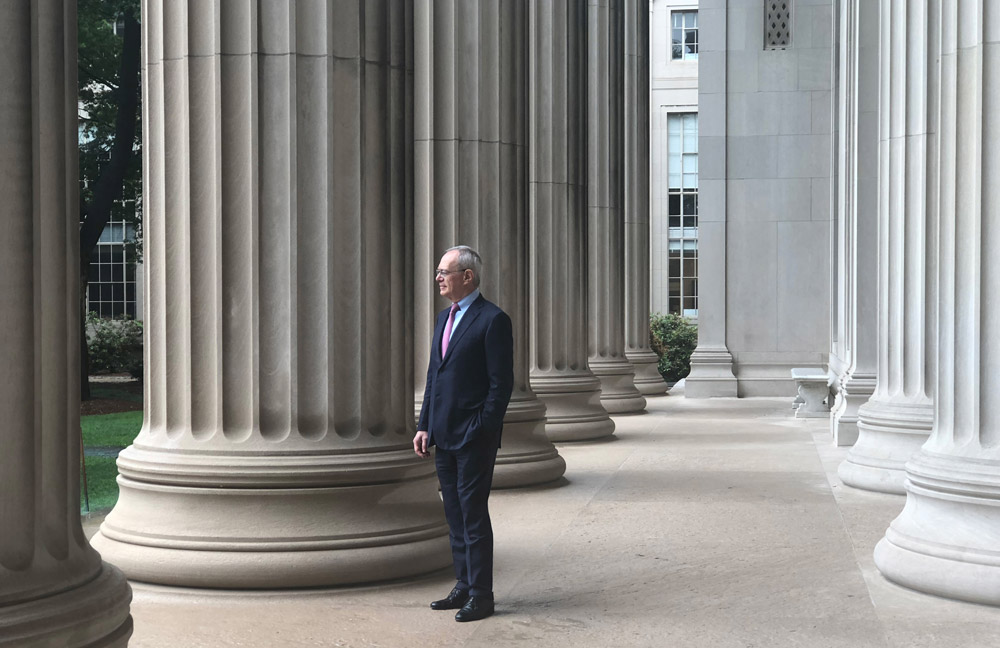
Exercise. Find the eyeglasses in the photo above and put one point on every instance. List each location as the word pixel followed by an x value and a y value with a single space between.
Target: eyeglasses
pixel 444 273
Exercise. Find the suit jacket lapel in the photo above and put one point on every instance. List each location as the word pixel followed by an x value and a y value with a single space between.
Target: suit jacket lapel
pixel 467 320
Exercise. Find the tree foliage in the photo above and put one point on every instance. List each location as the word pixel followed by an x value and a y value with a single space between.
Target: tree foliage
pixel 110 124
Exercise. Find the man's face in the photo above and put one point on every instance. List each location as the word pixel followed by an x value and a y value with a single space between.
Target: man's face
pixel 453 284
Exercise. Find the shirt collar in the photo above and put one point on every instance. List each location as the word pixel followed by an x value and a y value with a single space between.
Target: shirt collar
pixel 465 302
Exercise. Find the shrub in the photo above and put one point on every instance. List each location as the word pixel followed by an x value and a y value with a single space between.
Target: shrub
pixel 673 338
pixel 114 345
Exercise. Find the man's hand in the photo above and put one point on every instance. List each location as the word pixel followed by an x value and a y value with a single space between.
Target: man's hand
pixel 420 444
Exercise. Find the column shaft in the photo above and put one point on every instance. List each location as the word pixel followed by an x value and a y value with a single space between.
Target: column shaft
pixel 644 361
pixel 712 363
pixel 54 589
pixel 276 447
pixel 606 192
pixel 557 189
pixel 854 357
pixel 895 422
pixel 945 540
pixel 472 189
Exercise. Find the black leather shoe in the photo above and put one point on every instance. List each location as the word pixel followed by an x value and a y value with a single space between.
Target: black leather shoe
pixel 476 608
pixel 455 600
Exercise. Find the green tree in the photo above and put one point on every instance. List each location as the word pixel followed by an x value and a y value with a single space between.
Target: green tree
pixel 110 138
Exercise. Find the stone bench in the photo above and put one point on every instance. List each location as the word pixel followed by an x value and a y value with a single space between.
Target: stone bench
pixel 813 386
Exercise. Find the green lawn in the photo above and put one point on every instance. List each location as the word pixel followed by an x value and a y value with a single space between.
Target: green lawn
pixel 106 432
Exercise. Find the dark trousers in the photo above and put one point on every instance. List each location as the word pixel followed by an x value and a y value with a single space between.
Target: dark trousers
pixel 466 476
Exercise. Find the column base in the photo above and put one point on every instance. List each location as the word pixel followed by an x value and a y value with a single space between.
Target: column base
pixel 945 541
pixel 618 392
pixel 93 615
pixel 888 435
pixel 711 374
pixel 855 391
pixel 274 521
pixel 648 380
pixel 573 409
pixel 527 456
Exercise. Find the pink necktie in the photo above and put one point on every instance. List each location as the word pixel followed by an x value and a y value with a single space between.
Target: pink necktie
pixel 447 329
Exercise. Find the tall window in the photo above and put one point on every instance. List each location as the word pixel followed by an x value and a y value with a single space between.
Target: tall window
pixel 682 213
pixel 111 277
pixel 685 36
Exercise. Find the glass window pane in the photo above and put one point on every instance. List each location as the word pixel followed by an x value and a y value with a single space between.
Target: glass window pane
pixel 690 163
pixel 674 181
pixel 691 232
pixel 690 221
pixel 674 287
pixel 690 180
pixel 690 204
pixel 674 123
pixel 674 247
pixel 118 272
pixel 678 19
pixel 674 203
pixel 690 144
pixel 691 267
pixel 690 18
pixel 673 221
pixel 674 145
pixel 694 55
pixel 94 294
pixel 691 123
pixel 105 272
pixel 674 268
pixel 675 305
pixel 130 292
pixel 690 247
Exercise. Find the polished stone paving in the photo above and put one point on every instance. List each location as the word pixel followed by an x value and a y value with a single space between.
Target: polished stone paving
pixel 704 523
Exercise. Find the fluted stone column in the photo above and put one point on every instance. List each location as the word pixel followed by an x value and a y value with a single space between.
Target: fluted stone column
pixel 54 588
pixel 945 540
pixel 712 363
pixel 855 350
pixel 644 360
pixel 605 199
pixel 557 189
pixel 276 449
pixel 472 189
pixel 895 422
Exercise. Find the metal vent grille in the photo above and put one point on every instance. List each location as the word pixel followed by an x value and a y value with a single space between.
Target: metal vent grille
pixel 777 24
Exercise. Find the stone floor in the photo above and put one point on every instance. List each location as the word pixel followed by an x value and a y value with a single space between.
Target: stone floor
pixel 715 523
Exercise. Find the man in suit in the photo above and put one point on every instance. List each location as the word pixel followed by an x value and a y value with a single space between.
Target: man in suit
pixel 470 378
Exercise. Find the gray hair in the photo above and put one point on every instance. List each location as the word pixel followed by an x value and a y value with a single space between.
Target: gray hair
pixel 469 259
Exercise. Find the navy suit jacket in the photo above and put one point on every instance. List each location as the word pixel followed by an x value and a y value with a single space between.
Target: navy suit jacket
pixel 468 390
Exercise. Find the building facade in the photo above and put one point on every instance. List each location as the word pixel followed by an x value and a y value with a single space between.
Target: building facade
pixel 673 144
